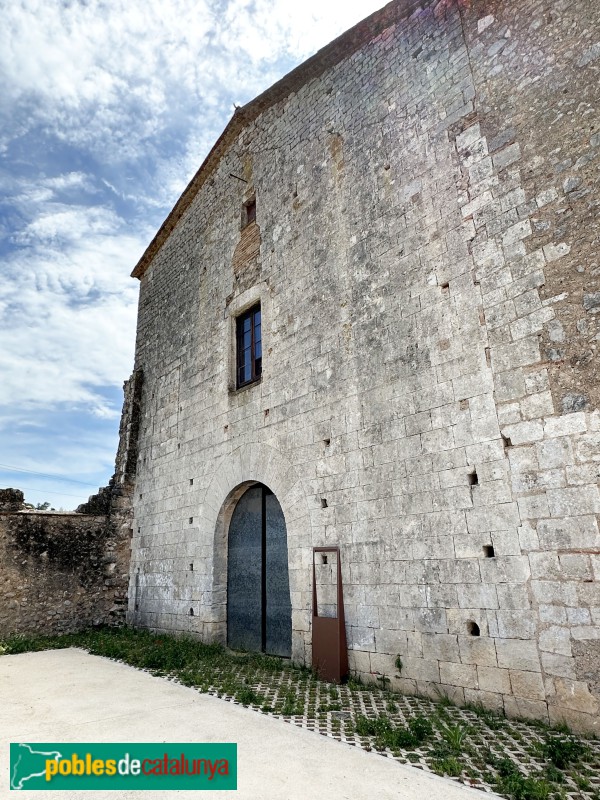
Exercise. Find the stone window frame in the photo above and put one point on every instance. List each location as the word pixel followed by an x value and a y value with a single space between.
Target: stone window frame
pixel 255 346
pixel 248 212
pixel 253 296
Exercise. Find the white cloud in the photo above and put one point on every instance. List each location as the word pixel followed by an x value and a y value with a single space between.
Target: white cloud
pixel 107 110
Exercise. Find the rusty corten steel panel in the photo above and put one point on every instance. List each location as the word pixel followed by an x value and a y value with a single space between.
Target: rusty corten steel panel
pixel 329 648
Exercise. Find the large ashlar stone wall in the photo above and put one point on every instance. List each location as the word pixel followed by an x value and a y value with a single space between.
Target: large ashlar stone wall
pixel 426 257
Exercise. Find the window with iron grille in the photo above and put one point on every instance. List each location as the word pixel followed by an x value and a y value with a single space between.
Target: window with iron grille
pixel 248 347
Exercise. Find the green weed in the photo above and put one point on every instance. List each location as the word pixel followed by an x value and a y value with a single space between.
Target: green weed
pixel 447 766
pixel 562 750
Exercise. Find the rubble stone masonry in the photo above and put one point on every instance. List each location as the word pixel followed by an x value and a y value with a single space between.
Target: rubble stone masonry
pixel 425 253
pixel 63 572
pixel 60 573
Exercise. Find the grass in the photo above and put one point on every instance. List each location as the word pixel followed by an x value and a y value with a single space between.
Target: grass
pixel 518 759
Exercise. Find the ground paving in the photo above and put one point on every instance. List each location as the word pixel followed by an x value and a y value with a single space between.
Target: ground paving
pixel 71 696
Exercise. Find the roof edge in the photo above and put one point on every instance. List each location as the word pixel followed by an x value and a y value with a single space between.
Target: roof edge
pixel 343 47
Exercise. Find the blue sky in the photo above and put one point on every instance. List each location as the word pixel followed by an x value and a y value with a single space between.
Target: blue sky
pixel 108 108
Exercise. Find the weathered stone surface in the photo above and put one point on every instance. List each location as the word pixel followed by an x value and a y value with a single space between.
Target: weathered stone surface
pixel 61 572
pixel 425 257
pixel 518 655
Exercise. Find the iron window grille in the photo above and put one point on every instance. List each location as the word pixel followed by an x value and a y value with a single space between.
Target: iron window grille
pixel 248 347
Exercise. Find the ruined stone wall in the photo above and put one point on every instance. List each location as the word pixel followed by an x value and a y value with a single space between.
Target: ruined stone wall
pixel 60 573
pixel 428 279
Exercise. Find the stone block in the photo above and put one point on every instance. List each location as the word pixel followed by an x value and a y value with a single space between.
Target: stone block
pixel 537 405
pixel 544 565
pixel 391 642
pixel 477 595
pixel 533 506
pixel 440 647
pixel 579 616
pixel 575 695
pixel 506 543
pixel 565 425
pixel 573 500
pixel 489 700
pixel 492 679
pixel 528 538
pixel 521 708
pixel 555 453
pixel 497 518
pixel 518 654
pixel 516 624
pixel 523 432
pixel 569 533
pixel 552 252
pixel 431 620
pixel 359 661
pixel 557 665
pixel 509 385
pixel 477 650
pixel 527 684
pixel 505 569
pixel 555 639
pixel 588 447
pixel 383 664
pixel 521 353
pixel 585 632
pixel 501 160
pixel 459 571
pixel 464 675
pixel 459 620
pixel 513 595
pixel 420 669
pixel 576 566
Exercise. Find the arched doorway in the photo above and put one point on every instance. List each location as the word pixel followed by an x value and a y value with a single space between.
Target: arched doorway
pixel 259 610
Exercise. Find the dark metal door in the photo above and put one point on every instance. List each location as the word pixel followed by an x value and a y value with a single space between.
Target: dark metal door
pixel 259 611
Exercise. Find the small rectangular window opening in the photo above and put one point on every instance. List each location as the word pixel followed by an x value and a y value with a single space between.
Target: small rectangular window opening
pixel 248 347
pixel 473 478
pixel 488 550
pixel 250 211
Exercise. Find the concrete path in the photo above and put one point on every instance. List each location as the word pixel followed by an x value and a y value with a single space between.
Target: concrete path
pixel 71 696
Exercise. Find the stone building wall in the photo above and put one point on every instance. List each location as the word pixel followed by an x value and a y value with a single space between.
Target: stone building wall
pixel 59 573
pixel 425 257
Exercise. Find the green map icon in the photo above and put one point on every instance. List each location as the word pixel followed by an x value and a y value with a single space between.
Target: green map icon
pixel 28 766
